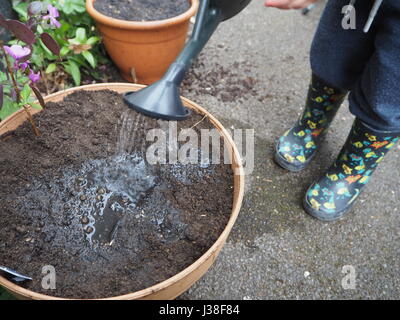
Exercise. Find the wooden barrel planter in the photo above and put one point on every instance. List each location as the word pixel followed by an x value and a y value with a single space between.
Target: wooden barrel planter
pixel 179 283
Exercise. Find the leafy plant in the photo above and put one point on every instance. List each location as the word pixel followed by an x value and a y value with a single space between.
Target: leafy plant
pixel 18 81
pixel 77 39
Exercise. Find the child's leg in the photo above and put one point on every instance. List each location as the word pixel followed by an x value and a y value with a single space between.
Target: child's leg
pixel 375 101
pixel 338 55
pixel 338 58
pixel 375 98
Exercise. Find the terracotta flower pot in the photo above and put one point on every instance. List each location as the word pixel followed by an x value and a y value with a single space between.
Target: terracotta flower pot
pixel 172 287
pixel 143 51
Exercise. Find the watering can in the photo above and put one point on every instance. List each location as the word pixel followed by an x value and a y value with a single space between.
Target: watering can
pixel 162 99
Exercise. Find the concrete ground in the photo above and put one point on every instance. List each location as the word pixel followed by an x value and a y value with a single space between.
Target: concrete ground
pixel 276 251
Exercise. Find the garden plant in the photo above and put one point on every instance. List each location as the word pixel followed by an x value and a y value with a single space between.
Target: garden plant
pixel 76 35
pixel 18 81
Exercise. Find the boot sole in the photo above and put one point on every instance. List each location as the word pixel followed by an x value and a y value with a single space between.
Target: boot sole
pixel 317 215
pixel 282 162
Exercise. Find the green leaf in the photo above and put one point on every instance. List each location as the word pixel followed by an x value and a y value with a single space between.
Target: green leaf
pixel 74 41
pixel 72 68
pixel 22 9
pixel 37 57
pixel 39 28
pixel 25 93
pixel 65 26
pixel 64 51
pixel 93 40
pixel 80 35
pixel 70 6
pixel 51 68
pixel 36 106
pixel 9 107
pixel 89 58
pixel 80 61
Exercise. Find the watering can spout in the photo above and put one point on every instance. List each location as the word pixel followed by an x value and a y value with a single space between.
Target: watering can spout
pixel 162 98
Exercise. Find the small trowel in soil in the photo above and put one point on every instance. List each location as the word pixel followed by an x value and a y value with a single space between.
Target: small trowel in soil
pixel 13 275
pixel 162 99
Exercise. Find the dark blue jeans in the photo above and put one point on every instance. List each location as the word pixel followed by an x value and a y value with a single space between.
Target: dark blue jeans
pixel 367 64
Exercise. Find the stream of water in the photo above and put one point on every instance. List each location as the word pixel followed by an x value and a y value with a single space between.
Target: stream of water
pixel 126 132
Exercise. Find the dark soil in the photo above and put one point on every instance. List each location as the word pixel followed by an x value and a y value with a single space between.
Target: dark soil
pixel 82 198
pixel 227 84
pixel 142 10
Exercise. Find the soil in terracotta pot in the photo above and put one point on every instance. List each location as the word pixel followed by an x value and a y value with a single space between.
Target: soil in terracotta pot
pixel 142 10
pixel 83 199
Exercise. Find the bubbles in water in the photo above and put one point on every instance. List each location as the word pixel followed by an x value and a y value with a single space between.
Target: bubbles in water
pixel 113 187
pixel 94 196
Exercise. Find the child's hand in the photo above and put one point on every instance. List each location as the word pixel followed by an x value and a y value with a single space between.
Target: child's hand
pixel 289 4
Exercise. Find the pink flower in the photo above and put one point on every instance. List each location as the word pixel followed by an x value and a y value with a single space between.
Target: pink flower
pixel 34 77
pixel 17 52
pixel 52 16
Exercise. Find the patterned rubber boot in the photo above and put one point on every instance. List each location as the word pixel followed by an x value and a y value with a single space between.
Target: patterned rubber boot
pixel 297 147
pixel 333 195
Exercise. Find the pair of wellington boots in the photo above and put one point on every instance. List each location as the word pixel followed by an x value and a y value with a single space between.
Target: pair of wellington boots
pixel 333 195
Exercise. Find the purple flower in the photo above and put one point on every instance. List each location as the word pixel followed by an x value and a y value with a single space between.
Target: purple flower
pixel 21 66
pixel 24 65
pixel 34 77
pixel 52 16
pixel 17 52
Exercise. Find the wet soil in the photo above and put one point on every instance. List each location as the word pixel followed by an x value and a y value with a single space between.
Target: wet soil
pixel 142 10
pixel 84 199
